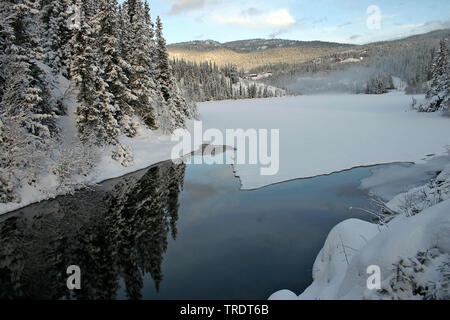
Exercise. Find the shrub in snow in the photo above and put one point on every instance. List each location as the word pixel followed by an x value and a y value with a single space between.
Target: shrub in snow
pixel 425 276
pixel 7 192
pixel 420 198
pixel 71 162
pixel 22 155
pixel 123 155
pixel 129 125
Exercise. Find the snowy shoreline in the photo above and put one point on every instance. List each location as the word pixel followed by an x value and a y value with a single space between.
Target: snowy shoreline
pixel 415 241
pixel 149 148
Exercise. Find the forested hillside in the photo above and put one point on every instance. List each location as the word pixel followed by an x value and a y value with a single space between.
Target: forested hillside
pixel 253 53
pixel 357 69
pixel 335 67
pixel 75 76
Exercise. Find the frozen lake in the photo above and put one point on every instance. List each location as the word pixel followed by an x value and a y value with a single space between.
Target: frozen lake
pixel 324 134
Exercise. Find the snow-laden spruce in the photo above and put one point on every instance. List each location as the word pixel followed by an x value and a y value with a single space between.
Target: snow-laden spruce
pixel 438 95
pixel 78 78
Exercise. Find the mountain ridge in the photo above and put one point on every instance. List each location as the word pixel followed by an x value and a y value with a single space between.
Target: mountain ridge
pixel 252 45
pixel 252 53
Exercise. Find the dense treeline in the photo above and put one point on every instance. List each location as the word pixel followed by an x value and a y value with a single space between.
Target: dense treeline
pixel 207 82
pixel 380 84
pixel 106 64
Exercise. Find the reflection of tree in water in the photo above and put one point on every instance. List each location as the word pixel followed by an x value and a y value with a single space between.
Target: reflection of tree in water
pixel 43 245
pixel 152 205
pixel 110 235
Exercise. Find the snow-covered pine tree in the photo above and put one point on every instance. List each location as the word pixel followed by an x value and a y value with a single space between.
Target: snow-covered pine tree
pixel 55 27
pixel 95 113
pixel 113 66
pixel 83 75
pixel 137 48
pixel 27 110
pixel 20 54
pixel 437 97
pixel 178 107
pixel 25 136
pixel 6 38
pixel 164 72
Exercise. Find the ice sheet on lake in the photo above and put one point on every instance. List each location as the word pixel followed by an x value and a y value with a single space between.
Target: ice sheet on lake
pixel 387 182
pixel 329 133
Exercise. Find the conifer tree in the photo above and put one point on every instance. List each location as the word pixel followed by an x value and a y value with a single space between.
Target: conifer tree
pixel 138 53
pixel 21 51
pixel 112 64
pixel 178 108
pixel 437 97
pixel 95 104
pixel 55 16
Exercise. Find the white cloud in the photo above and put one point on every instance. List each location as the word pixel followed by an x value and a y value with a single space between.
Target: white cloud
pixel 280 18
pixel 180 6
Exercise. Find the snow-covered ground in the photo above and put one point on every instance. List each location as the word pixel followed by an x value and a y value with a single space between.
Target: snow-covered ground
pixel 329 133
pixel 412 250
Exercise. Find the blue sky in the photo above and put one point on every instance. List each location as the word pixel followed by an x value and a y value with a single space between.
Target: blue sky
pixel 343 21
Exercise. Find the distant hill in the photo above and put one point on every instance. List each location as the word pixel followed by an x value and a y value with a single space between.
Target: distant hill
pixel 207 45
pixel 252 45
pixel 264 44
pixel 249 54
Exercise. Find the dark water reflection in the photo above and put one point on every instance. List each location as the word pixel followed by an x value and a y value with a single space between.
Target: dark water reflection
pixel 175 232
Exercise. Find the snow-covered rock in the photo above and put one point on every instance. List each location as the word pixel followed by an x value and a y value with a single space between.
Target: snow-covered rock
pixel 343 242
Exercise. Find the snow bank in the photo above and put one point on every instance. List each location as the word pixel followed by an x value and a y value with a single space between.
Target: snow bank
pixel 324 134
pixel 405 237
pixel 416 244
pixel 331 264
pixel 148 148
